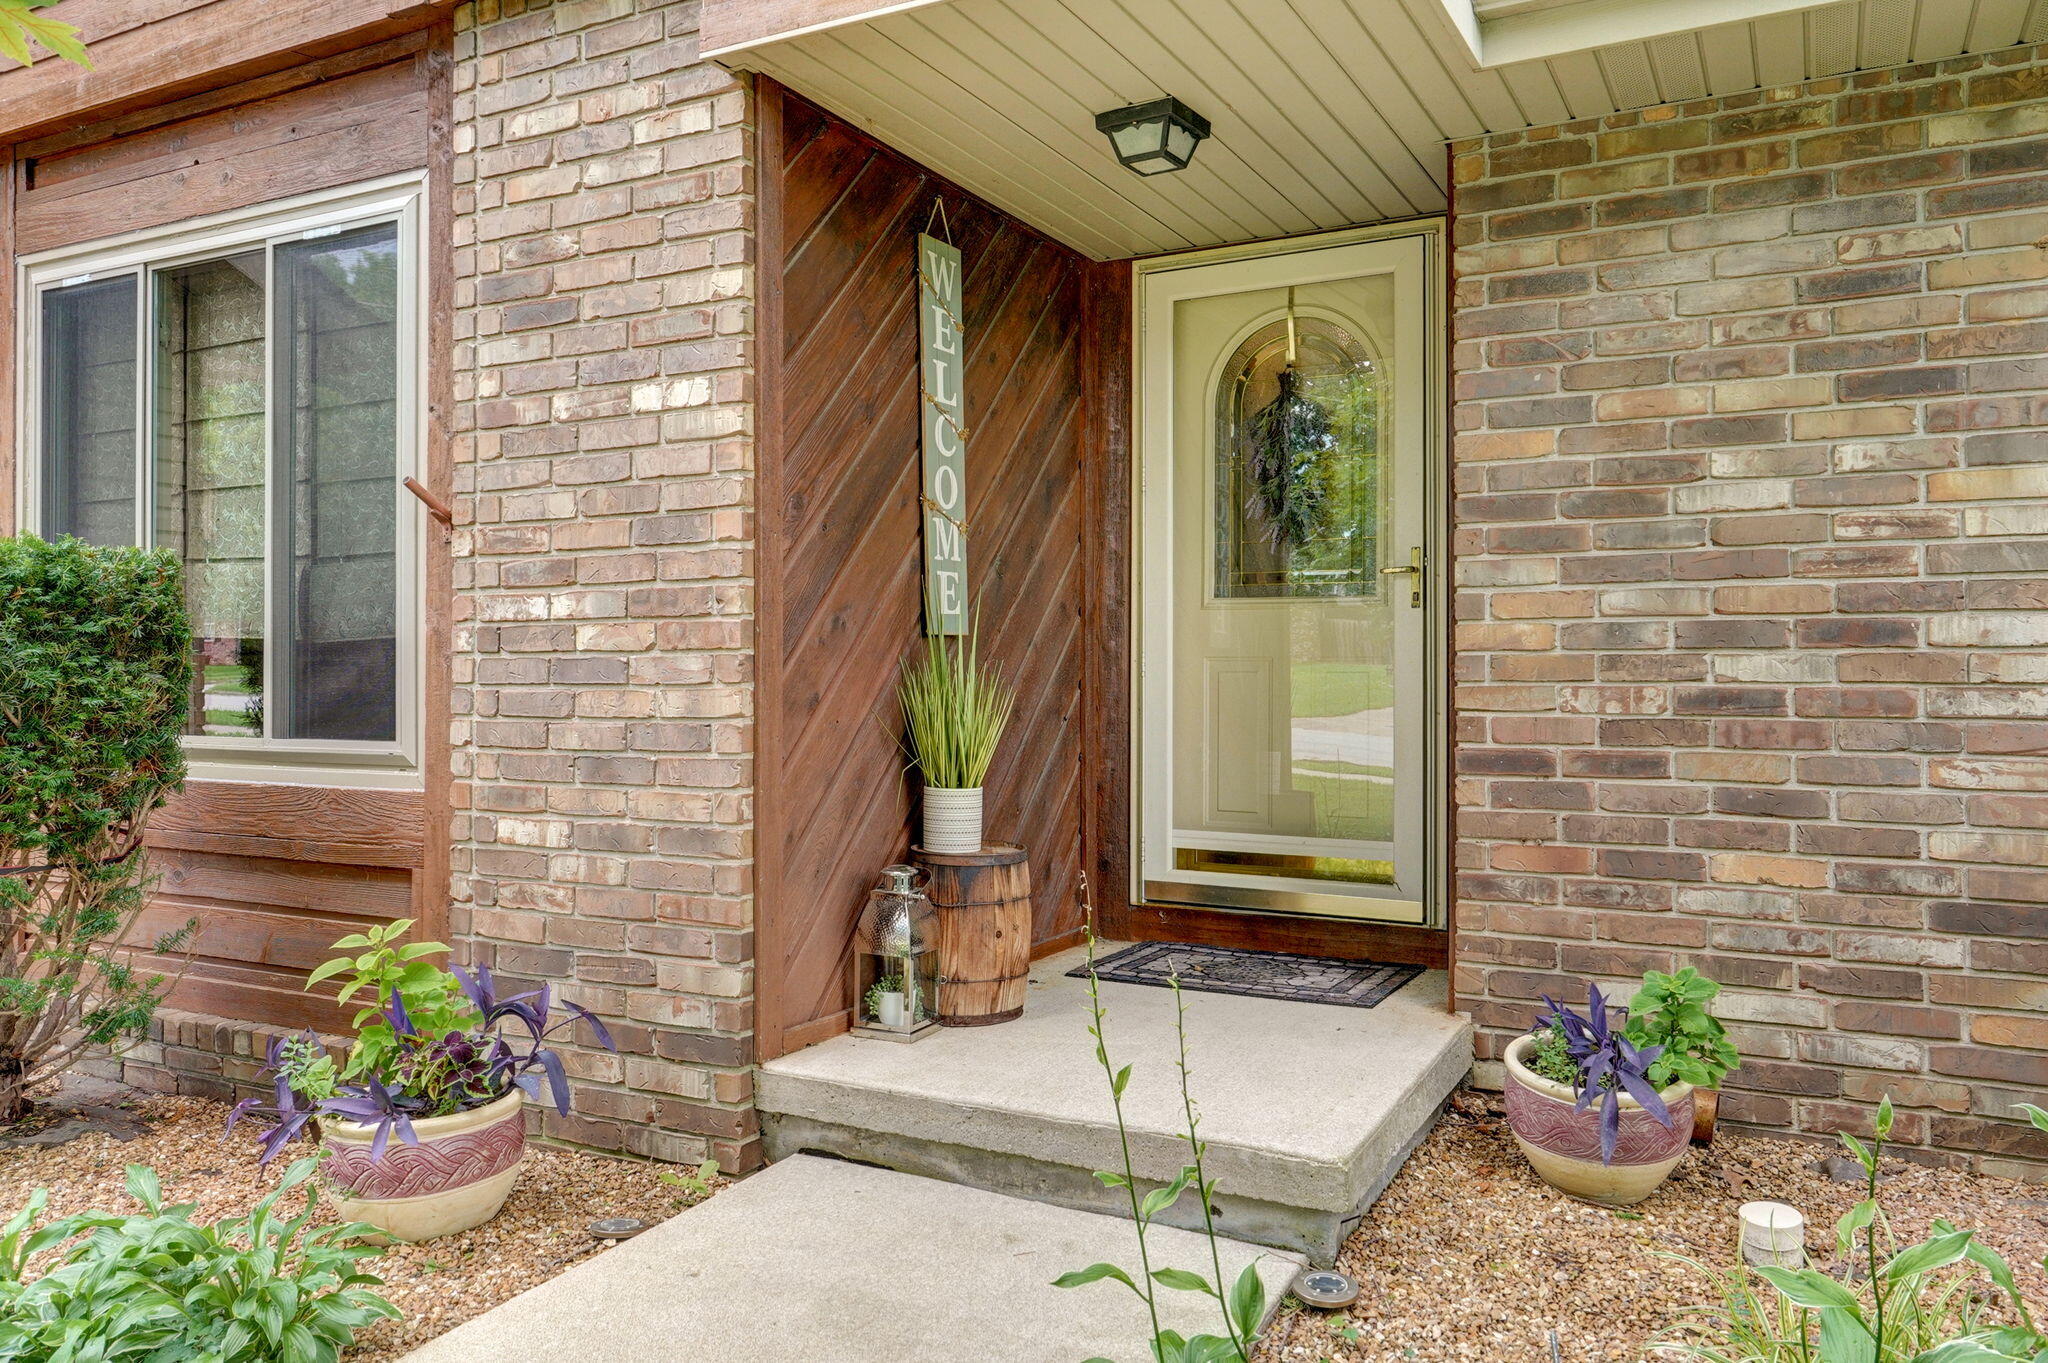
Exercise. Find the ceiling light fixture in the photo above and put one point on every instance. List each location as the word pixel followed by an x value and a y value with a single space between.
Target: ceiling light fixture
pixel 1155 137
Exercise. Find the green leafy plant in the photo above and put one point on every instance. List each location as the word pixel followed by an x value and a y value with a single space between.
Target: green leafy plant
pixel 1946 1299
pixel 893 984
pixel 1551 1055
pixel 386 966
pixel 1671 1011
pixel 95 679
pixel 697 1184
pixel 1243 1306
pixel 19 22
pixel 956 709
pixel 154 1287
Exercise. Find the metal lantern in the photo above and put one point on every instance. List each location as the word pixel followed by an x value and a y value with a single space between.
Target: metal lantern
pixel 896 958
pixel 1155 137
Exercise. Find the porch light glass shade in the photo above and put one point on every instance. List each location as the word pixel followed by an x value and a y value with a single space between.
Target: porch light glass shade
pixel 1155 137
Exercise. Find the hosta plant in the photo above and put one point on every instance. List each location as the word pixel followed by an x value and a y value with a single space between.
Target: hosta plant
pixel 157 1287
pixel 1945 1299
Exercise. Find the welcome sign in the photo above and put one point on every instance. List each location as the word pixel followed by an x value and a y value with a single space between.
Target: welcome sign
pixel 943 384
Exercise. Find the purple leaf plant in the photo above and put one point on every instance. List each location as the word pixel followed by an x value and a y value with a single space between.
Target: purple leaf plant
pixel 289 1111
pixel 1608 1064
pixel 426 1075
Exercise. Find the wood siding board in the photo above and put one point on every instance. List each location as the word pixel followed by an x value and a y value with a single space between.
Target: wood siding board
pixel 309 887
pixel 1105 518
pixel 343 102
pixel 392 139
pixel 292 940
pixel 864 223
pixel 157 114
pixel 246 993
pixel 780 128
pixel 197 48
pixel 432 887
pixel 317 817
pixel 844 610
pixel 817 175
pixel 843 557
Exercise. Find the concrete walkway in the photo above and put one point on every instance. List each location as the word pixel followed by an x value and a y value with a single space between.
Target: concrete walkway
pixel 819 1261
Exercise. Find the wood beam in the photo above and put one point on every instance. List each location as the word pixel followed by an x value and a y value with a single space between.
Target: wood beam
pixel 151 51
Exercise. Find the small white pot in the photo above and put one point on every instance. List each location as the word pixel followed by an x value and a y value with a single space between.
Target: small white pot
pixel 890 1010
pixel 952 820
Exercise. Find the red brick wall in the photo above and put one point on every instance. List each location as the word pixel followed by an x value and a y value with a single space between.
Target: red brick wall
pixel 604 553
pixel 1752 607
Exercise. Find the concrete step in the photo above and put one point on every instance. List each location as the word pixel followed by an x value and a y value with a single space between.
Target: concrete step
pixel 1308 1109
pixel 827 1262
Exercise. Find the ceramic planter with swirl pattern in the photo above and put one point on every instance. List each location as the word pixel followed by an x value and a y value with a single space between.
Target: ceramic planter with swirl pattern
pixel 455 1178
pixel 1563 1145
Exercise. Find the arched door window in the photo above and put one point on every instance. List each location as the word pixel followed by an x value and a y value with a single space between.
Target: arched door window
pixel 1297 464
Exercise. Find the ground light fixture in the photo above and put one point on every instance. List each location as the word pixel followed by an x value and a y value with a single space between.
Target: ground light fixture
pixel 1325 1288
pixel 617 1228
pixel 1155 137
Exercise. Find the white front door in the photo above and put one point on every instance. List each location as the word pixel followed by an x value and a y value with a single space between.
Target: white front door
pixel 1285 706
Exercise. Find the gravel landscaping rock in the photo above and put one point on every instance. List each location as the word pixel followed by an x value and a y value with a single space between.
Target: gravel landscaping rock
pixel 1468 1255
pixel 438 1285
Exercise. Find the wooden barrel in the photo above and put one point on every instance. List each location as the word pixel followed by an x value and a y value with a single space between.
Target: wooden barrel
pixel 984 904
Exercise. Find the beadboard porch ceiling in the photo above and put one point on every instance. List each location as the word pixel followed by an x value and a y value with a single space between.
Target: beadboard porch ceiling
pixel 1326 113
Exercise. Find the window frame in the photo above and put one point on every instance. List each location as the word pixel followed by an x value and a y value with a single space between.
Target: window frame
pixel 398 199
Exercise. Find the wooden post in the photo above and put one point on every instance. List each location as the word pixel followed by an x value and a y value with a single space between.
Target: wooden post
pixel 984 904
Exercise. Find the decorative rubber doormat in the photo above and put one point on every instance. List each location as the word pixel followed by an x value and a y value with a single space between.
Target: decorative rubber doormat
pixel 1258 974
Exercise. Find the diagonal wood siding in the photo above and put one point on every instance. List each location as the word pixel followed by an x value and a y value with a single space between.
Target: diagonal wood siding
pixel 841 553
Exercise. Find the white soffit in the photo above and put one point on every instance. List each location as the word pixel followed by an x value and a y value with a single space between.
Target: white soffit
pixel 1326 113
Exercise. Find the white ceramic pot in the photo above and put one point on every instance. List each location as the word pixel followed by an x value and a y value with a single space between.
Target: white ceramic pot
pixel 952 820
pixel 1563 1144
pixel 890 1010
pixel 457 1177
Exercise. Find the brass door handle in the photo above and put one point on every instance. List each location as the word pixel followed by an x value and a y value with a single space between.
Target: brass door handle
pixel 1412 568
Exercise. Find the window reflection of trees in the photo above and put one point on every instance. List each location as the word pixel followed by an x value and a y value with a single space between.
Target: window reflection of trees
pixel 1326 541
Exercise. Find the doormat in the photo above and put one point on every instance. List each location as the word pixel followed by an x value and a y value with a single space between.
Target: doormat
pixel 1257 974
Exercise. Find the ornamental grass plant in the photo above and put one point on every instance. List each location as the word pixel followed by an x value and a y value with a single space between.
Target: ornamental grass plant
pixel 956 709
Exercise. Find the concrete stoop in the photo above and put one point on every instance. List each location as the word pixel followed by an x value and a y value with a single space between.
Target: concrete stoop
pixel 827 1262
pixel 1308 1109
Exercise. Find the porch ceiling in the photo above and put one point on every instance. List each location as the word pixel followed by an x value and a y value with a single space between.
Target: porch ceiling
pixel 1326 113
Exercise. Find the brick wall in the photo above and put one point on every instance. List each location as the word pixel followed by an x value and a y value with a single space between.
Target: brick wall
pixel 1753 583
pixel 603 735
